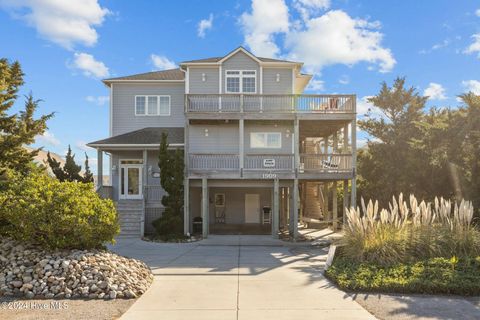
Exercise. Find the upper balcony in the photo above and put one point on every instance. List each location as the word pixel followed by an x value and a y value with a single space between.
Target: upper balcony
pixel 267 106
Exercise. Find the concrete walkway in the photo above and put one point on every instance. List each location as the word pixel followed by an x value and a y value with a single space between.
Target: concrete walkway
pixel 249 278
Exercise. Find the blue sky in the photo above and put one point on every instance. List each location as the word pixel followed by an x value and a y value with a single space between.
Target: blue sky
pixel 66 47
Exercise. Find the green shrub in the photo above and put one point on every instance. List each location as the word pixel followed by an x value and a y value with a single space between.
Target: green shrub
pixel 432 276
pixel 169 226
pixel 43 210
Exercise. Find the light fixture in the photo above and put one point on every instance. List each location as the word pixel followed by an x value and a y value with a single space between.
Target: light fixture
pixel 206 132
pixel 150 169
pixel 204 77
pixel 114 167
pixel 278 77
pixel 288 133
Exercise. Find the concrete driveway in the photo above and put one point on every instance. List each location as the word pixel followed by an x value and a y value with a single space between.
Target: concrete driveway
pixel 250 278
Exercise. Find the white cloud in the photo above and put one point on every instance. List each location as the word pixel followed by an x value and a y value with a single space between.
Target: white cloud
pixel 328 39
pixel 336 38
pixel 435 91
pixel 99 100
pixel 475 46
pixel 268 17
pixel 89 66
pixel 47 138
pixel 63 22
pixel 436 46
pixel 316 85
pixel 344 79
pixel 162 62
pixel 477 12
pixel 472 85
pixel 204 25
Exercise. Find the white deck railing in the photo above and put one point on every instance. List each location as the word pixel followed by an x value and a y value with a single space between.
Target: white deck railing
pixel 200 161
pixel 277 162
pixel 270 162
pixel 325 162
pixel 256 103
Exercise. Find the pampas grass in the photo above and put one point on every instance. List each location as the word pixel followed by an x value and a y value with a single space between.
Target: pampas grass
pixel 410 231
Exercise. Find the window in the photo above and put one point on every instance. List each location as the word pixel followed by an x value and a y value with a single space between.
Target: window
pixel 241 81
pixel 272 140
pixel 152 105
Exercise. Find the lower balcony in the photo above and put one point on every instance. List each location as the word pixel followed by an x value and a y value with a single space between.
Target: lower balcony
pixel 270 166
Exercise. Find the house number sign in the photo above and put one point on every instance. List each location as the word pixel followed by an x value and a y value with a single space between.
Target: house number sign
pixel 269 163
pixel 269 175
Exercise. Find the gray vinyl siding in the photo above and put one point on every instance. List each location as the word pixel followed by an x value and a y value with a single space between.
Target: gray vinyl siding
pixel 123 113
pixel 270 84
pixel 262 127
pixel 239 61
pixel 234 202
pixel 210 85
pixel 222 138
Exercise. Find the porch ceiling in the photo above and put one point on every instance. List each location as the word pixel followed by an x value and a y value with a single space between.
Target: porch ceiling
pixel 314 128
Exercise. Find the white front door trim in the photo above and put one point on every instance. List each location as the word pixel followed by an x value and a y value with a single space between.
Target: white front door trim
pixel 126 168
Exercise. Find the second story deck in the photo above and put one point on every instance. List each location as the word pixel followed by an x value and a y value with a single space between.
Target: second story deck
pixel 269 106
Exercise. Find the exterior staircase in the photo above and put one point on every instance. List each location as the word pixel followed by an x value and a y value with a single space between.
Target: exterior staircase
pixel 313 203
pixel 130 215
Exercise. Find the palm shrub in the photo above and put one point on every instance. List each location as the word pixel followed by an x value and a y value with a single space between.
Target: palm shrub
pixel 40 209
pixel 411 231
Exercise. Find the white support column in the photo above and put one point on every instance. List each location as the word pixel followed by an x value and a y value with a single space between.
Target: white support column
pixel 144 190
pixel 353 200
pixel 205 211
pixel 186 206
pixel 100 169
pixel 345 201
pixel 325 183
pixel 241 143
pixel 345 139
pixel 335 206
pixel 276 209
pixel 296 145
pixel 295 209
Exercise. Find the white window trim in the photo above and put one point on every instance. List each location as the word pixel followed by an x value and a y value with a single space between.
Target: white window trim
pixel 240 76
pixel 158 106
pixel 266 147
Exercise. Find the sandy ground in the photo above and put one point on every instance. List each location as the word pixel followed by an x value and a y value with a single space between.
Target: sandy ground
pixel 419 307
pixel 16 309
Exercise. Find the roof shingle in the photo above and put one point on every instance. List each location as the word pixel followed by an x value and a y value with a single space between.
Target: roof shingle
pixel 171 74
pixel 150 135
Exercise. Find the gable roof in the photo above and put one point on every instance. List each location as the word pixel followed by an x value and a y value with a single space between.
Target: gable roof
pixel 150 136
pixel 231 53
pixel 163 75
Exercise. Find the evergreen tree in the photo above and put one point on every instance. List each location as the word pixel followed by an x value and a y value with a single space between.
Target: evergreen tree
pixel 70 170
pixel 88 175
pixel 390 165
pixel 171 178
pixel 17 130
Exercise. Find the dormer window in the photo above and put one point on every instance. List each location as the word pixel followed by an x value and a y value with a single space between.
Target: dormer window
pixel 241 81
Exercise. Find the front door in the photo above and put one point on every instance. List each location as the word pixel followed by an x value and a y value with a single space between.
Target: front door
pixel 252 208
pixel 131 181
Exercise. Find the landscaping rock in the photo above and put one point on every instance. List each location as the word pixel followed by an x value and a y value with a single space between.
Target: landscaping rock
pixel 33 271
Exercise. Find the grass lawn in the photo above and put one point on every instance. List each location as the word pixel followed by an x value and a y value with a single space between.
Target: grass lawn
pixel 432 276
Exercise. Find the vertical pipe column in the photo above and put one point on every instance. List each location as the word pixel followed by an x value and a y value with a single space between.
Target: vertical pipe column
pixel 294 219
pixel 205 211
pixel 325 183
pixel 276 208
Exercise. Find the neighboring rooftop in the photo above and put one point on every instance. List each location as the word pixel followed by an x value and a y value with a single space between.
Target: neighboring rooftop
pixel 145 136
